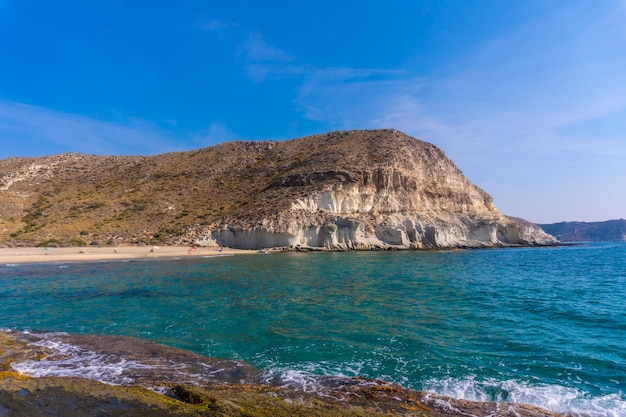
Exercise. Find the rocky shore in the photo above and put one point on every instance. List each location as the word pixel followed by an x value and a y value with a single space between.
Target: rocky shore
pixel 26 396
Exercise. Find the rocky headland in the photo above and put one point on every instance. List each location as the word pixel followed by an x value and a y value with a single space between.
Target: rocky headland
pixel 354 190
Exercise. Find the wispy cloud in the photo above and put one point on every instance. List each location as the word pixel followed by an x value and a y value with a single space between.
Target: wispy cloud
pixel 260 58
pixel 338 97
pixel 214 25
pixel 256 49
pixel 559 70
pixel 51 131
pixel 523 92
pixel 347 97
pixel 519 92
pixel 530 105
pixel 217 132
pixel 517 105
pixel 263 59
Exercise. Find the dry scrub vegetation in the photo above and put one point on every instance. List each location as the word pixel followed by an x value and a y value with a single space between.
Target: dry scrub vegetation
pixel 75 199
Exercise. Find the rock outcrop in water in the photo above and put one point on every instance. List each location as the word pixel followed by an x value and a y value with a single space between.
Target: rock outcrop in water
pixel 338 191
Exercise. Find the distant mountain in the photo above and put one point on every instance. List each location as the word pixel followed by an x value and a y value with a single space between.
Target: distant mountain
pixel 608 231
pixel 377 189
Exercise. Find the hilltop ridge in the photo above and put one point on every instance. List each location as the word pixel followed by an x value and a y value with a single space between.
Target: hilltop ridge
pixel 341 190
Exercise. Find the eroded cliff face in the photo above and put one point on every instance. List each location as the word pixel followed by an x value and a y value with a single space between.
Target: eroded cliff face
pixel 326 230
pixel 415 199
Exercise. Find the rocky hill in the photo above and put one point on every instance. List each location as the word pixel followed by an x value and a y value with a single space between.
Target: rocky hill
pixel 608 231
pixel 342 190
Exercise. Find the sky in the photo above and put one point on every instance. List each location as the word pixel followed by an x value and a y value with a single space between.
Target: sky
pixel 528 98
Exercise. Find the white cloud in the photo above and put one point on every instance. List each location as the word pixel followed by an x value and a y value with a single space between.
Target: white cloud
pixel 260 58
pixel 48 131
pixel 263 59
pixel 556 71
pixel 349 98
pixel 520 92
pixel 257 50
pixel 218 27
pixel 213 25
pixel 216 133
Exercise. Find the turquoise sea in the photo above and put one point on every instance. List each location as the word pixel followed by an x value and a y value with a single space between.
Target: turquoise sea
pixel 545 326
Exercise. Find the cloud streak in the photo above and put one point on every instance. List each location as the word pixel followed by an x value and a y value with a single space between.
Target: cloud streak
pixel 38 131
pixel 262 58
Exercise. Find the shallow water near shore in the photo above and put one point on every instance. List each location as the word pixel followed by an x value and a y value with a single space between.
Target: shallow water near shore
pixel 545 326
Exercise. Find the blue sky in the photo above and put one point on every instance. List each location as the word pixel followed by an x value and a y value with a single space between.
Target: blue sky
pixel 528 98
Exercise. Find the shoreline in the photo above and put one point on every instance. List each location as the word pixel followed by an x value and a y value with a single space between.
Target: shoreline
pixel 24 255
pixel 30 254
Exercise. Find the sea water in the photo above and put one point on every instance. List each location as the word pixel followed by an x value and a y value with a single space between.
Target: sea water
pixel 545 326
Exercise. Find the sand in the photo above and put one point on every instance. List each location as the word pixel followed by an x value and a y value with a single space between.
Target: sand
pixel 35 255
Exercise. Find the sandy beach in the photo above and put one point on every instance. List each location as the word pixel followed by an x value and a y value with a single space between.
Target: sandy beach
pixel 35 255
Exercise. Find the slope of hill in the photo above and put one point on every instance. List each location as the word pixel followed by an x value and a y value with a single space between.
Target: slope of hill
pixel 341 190
pixel 608 231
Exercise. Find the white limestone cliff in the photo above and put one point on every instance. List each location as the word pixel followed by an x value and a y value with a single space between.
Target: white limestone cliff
pixel 397 231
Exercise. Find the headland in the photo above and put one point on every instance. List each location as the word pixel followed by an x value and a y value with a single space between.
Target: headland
pixel 354 190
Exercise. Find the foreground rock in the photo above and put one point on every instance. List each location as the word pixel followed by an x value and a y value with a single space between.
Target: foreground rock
pixel 22 396
pixel 75 397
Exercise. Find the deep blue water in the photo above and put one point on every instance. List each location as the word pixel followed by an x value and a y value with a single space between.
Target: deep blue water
pixel 545 326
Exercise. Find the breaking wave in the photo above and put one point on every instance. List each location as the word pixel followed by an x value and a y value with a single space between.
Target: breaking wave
pixel 551 397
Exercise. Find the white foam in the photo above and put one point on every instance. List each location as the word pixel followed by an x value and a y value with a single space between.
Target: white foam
pixel 72 361
pixel 301 380
pixel 551 397
pixel 68 360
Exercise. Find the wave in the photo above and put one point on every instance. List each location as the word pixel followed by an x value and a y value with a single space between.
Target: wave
pixel 67 360
pixel 555 398
pixel 121 360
